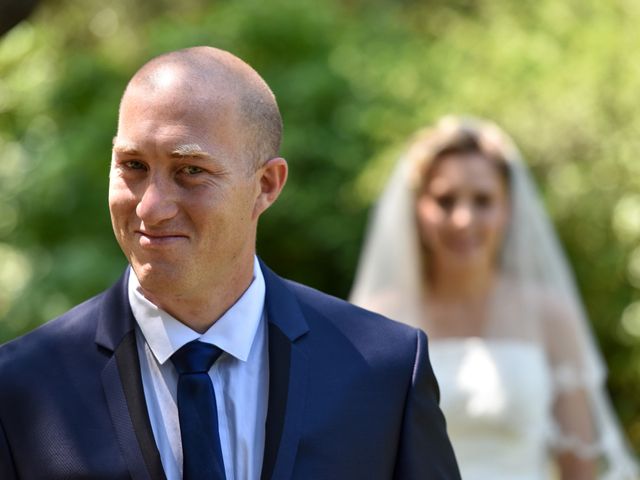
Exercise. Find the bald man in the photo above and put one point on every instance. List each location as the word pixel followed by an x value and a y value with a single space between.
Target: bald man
pixel 200 362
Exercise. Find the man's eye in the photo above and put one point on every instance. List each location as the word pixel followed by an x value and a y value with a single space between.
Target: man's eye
pixel 191 170
pixel 134 165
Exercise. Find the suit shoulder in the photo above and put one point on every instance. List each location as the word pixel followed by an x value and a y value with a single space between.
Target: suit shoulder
pixel 350 317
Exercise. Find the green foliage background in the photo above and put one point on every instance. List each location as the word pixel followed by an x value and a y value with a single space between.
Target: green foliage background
pixel 354 78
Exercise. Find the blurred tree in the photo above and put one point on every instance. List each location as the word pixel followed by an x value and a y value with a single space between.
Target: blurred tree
pixel 13 12
pixel 353 79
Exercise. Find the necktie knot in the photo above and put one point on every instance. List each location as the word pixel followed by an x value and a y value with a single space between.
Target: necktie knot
pixel 195 357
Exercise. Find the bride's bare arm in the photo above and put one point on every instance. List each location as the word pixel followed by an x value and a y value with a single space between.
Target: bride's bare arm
pixel 573 415
pixel 575 381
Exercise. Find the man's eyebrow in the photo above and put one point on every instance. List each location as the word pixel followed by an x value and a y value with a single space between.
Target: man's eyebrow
pixel 190 150
pixel 125 148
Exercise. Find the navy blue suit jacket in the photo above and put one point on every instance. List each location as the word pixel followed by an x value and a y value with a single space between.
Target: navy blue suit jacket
pixel 351 395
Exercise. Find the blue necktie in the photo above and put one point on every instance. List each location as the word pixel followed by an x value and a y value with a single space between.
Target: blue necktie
pixel 202 454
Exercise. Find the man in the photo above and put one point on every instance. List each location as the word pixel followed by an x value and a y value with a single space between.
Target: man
pixel 200 362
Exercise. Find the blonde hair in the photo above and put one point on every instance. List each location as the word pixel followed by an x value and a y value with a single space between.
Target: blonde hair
pixel 454 135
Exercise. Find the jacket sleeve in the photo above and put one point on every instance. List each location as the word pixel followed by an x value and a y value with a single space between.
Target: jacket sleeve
pixel 7 469
pixel 424 450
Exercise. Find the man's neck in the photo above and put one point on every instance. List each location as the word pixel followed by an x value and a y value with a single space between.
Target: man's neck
pixel 200 311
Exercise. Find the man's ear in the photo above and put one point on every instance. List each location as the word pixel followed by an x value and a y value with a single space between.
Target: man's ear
pixel 272 177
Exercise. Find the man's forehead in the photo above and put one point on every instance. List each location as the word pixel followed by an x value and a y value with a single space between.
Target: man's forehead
pixel 187 80
pixel 176 101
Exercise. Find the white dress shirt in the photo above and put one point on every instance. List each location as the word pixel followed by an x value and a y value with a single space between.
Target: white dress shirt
pixel 240 377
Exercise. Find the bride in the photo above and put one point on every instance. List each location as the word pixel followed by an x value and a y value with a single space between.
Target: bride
pixel 460 246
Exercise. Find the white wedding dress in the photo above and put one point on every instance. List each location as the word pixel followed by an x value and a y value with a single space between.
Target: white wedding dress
pixel 496 396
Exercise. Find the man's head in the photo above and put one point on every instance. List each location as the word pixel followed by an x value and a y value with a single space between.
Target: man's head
pixel 207 73
pixel 194 165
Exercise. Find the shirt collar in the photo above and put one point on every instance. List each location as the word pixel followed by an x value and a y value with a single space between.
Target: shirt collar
pixel 233 332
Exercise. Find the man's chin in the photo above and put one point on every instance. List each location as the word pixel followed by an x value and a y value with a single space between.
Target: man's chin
pixel 157 277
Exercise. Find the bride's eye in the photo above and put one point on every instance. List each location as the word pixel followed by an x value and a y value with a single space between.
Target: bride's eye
pixel 482 200
pixel 446 202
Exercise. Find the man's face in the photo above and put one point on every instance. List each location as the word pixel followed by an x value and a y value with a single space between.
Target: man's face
pixel 181 194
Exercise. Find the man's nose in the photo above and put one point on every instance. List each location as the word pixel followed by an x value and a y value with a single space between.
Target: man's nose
pixel 157 203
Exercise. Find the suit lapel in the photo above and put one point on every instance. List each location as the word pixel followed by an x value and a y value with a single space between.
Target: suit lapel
pixel 288 376
pixel 122 383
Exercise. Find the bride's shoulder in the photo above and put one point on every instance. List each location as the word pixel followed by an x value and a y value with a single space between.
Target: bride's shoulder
pixel 560 323
pixel 554 309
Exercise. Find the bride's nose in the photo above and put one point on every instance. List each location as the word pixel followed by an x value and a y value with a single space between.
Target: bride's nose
pixel 462 215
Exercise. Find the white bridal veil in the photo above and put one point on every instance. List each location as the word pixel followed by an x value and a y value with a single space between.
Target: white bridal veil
pixel 540 304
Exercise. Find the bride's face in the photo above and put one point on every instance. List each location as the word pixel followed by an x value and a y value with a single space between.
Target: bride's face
pixel 462 211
